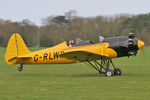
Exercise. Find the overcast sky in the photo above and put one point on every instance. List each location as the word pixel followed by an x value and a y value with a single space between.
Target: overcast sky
pixel 36 10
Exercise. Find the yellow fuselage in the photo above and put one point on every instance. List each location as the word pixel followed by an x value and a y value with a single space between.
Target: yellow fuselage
pixel 51 55
pixel 18 53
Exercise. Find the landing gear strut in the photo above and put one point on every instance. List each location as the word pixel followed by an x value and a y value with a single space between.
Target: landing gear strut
pixel 104 67
pixel 20 68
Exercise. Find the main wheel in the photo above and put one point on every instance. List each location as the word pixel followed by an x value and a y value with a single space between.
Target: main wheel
pixel 117 72
pixel 20 69
pixel 109 73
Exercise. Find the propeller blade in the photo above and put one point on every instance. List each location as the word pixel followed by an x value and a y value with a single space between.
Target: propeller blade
pixel 142 51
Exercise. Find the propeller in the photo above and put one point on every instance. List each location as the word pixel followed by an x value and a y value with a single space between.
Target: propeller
pixel 132 45
pixel 142 51
pixel 141 46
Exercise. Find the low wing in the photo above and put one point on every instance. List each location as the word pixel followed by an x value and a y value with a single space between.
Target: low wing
pixel 81 55
pixel 89 52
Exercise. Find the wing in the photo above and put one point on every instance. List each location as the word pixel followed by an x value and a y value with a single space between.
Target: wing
pixel 89 52
pixel 81 55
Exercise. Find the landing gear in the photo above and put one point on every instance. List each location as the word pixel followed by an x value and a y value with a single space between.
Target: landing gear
pixel 117 72
pixel 20 68
pixel 104 67
pixel 109 73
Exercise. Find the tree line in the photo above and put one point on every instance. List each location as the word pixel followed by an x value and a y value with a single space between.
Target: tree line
pixel 56 29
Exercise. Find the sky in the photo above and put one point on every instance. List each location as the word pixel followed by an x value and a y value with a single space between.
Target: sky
pixel 36 10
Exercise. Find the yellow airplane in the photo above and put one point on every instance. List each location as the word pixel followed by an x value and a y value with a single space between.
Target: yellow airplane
pixel 100 53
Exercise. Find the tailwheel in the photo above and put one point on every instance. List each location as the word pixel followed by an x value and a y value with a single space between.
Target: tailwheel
pixel 117 72
pixel 109 73
pixel 20 68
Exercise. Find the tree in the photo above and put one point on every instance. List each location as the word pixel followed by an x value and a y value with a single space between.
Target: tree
pixel 71 15
pixel 60 21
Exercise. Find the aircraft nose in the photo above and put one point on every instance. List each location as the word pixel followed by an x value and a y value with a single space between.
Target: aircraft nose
pixel 140 44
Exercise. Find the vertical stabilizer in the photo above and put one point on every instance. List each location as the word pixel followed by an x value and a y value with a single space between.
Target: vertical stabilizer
pixel 16 47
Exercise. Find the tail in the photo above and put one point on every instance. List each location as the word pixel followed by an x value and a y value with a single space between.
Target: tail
pixel 16 47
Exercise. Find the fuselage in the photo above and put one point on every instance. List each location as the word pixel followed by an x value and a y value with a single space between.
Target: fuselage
pixel 51 55
pixel 121 46
pixel 114 47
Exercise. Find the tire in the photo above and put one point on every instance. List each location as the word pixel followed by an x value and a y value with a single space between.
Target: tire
pixel 109 73
pixel 20 69
pixel 117 72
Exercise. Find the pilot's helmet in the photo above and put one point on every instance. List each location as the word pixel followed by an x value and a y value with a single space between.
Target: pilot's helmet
pixel 71 42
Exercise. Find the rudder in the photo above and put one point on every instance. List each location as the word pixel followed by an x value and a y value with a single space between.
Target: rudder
pixel 16 47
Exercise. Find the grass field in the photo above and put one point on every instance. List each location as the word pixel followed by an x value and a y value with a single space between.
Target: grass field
pixel 75 81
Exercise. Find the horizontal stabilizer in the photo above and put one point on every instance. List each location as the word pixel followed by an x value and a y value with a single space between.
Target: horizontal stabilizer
pixel 21 57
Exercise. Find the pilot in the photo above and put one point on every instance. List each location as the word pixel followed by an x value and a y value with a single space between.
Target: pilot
pixel 71 43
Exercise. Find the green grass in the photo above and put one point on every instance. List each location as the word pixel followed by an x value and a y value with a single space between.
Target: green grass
pixel 75 81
